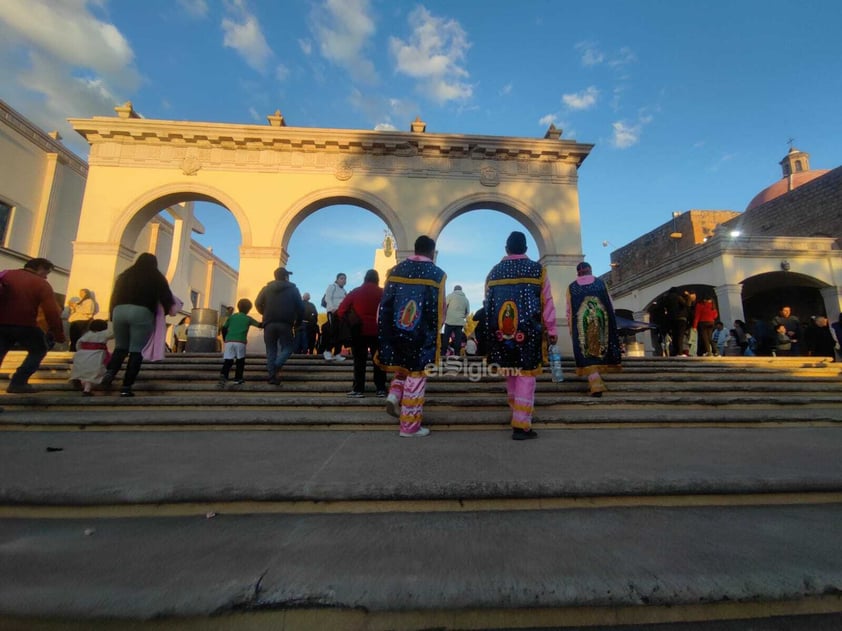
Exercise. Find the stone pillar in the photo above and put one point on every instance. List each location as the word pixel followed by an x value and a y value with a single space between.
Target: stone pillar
pixel 832 297
pixel 561 271
pixel 730 299
pixel 45 209
pixel 257 267
pixel 178 270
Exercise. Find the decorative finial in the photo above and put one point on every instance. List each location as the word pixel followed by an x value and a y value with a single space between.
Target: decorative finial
pixel 418 126
pixel 126 110
pixel 553 133
pixel 276 119
pixel 54 135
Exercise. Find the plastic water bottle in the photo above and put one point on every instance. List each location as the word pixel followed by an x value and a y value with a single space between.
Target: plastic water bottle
pixel 555 363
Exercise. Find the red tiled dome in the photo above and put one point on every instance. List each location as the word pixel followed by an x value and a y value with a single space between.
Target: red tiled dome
pixel 782 186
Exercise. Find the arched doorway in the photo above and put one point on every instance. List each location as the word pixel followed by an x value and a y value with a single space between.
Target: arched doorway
pixel 765 294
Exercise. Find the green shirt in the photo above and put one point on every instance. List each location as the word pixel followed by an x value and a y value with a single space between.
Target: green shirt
pixel 238 327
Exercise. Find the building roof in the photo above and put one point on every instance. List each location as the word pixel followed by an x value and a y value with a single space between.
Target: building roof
pixel 785 185
pixel 812 209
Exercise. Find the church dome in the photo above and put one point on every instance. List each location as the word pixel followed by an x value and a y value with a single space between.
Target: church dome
pixel 796 172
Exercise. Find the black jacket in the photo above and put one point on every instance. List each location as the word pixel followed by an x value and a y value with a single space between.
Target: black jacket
pixel 280 301
pixel 141 287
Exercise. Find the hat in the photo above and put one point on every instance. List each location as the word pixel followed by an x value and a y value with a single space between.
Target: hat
pixel 583 268
pixel 516 243
pixel 281 272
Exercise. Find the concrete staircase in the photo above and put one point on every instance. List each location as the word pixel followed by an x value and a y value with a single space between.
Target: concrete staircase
pixel 701 494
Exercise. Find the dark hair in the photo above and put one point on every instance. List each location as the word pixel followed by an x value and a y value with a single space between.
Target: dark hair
pixel 425 246
pixel 98 325
pixel 244 305
pixel 146 262
pixel 341 274
pixel 36 264
pixel 516 243
pixel 371 276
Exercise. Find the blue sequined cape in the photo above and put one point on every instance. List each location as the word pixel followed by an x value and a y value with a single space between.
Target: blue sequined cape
pixel 593 328
pixel 514 308
pixel 410 317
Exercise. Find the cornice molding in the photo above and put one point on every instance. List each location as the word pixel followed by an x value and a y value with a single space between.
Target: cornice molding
pixel 191 147
pixel 14 120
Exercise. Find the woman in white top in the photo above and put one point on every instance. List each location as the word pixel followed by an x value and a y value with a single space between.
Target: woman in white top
pixel 81 315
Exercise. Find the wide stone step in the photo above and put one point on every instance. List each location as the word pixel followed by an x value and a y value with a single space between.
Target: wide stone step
pixel 452 570
pixel 438 417
pixel 173 467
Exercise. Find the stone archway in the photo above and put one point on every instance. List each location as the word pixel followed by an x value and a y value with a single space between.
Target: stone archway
pixel 272 176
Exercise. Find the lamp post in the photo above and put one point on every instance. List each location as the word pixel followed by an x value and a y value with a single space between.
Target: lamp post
pixel 675 235
pixel 611 264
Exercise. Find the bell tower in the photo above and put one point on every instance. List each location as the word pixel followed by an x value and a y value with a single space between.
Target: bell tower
pixel 795 161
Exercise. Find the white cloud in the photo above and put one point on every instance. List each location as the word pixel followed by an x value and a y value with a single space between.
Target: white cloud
pixel 506 89
pixel 583 100
pixel 254 115
pixel 625 135
pixel 59 60
pixel 70 34
pixel 306 46
pixel 281 72
pixel 194 8
pixel 343 29
pixel 434 55
pixel 591 55
pixel 547 120
pixel 385 127
pixel 242 32
pixel 624 57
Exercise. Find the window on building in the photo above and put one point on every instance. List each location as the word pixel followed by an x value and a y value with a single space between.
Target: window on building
pixel 787 170
pixel 798 167
pixel 194 298
pixel 5 222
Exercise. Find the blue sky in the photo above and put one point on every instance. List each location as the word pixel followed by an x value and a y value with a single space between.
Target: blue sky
pixel 688 104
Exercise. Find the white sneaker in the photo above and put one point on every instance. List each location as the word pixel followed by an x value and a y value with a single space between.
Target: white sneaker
pixel 328 356
pixel 393 406
pixel 339 358
pixel 422 431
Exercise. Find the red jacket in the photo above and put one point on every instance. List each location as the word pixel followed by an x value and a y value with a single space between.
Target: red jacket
pixel 365 300
pixel 705 312
pixel 22 294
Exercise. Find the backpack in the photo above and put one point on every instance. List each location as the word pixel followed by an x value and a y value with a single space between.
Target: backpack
pixel 324 301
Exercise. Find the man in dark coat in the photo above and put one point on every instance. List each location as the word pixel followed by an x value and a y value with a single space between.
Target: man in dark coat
pixel 280 304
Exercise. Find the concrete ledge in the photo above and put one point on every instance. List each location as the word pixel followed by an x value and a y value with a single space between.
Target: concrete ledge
pixel 110 468
pixel 145 569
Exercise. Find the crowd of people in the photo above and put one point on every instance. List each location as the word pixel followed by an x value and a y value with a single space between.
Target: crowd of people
pixel 403 328
pixel 690 326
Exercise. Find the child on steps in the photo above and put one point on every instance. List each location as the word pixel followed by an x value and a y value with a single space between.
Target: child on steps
pixel 235 334
pixel 91 356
